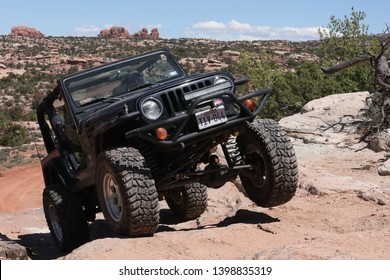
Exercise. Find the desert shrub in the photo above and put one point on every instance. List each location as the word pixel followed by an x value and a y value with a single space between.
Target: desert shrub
pixel 12 134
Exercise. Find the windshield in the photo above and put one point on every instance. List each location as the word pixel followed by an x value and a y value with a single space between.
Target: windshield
pixel 119 78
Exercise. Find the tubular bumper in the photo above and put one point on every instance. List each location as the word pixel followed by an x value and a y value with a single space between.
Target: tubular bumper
pixel 182 120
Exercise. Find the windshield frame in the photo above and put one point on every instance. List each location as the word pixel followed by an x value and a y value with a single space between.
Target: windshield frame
pixel 83 87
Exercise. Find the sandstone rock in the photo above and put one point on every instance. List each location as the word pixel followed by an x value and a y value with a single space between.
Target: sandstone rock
pixel 234 55
pixel 25 31
pixel 121 32
pixel 328 120
pixel 10 250
pixel 384 169
pixel 154 34
pixel 2 66
pixel 144 34
pixel 76 61
pixel 380 142
pixel 115 32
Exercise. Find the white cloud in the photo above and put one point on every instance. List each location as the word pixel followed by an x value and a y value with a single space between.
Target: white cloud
pixel 235 25
pixel 107 26
pixel 209 25
pixel 87 30
pixel 235 30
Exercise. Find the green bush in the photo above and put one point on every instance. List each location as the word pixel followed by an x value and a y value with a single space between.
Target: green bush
pixel 12 134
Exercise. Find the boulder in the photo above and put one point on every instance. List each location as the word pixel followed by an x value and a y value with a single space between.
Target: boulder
pixel 328 120
pixel 25 31
pixel 380 142
pixel 384 169
pixel 10 250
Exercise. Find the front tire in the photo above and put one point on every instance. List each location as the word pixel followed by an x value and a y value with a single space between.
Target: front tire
pixel 65 218
pixel 127 192
pixel 188 202
pixel 274 178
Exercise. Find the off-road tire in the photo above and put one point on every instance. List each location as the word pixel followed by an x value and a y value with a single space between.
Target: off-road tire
pixel 127 192
pixel 65 218
pixel 274 180
pixel 189 202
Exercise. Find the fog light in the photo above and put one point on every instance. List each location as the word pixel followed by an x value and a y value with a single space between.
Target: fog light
pixel 161 133
pixel 250 104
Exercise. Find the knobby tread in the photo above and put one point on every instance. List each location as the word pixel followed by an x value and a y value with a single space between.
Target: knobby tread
pixel 194 202
pixel 71 218
pixel 280 155
pixel 138 190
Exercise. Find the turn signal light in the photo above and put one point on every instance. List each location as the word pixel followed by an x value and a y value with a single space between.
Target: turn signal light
pixel 161 133
pixel 250 104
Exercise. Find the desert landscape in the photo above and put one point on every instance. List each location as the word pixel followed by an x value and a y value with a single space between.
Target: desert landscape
pixel 340 211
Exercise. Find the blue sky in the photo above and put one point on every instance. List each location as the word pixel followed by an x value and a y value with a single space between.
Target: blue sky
pixel 221 20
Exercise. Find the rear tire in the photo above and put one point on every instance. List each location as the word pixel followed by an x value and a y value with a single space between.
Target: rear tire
pixel 127 192
pixel 65 218
pixel 188 202
pixel 267 147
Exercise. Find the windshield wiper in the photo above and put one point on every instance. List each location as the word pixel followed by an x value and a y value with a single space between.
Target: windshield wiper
pixel 144 86
pixel 102 99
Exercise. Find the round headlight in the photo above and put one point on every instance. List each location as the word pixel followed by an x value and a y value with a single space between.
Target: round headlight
pixel 151 108
pixel 220 80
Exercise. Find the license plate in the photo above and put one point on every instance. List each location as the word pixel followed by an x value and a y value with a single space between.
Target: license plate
pixel 211 117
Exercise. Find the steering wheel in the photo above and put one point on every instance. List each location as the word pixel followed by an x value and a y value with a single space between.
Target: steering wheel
pixel 136 80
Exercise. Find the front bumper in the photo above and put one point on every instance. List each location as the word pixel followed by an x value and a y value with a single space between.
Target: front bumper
pixel 179 138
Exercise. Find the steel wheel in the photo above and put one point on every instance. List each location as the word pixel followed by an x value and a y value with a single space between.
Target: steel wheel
pixel 127 193
pixel 55 223
pixel 112 197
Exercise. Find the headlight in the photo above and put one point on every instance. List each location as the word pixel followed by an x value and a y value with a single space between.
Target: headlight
pixel 152 108
pixel 220 80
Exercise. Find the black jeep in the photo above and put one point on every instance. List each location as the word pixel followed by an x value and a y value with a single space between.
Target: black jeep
pixel 124 135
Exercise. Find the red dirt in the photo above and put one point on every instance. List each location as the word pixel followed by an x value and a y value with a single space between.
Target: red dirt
pixel 21 188
pixel 340 211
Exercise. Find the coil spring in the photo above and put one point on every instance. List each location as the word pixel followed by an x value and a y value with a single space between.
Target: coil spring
pixel 233 151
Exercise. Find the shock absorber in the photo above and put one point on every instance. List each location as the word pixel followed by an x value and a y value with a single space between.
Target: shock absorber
pixel 231 151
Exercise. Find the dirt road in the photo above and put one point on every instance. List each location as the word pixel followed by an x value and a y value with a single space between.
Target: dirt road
pixel 21 188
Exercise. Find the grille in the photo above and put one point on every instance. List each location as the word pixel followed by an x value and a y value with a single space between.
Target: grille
pixel 174 99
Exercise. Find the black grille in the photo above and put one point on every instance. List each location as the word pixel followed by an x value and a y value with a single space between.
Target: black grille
pixel 174 99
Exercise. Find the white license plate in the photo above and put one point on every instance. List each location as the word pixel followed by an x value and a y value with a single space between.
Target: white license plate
pixel 211 117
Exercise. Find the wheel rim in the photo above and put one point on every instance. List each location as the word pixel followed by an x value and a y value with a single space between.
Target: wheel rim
pixel 55 223
pixel 112 197
pixel 177 196
pixel 257 175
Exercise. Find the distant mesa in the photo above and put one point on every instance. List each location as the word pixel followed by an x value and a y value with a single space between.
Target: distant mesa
pixel 121 32
pixel 25 31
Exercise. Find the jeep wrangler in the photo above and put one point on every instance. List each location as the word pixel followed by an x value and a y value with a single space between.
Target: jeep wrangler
pixel 123 136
